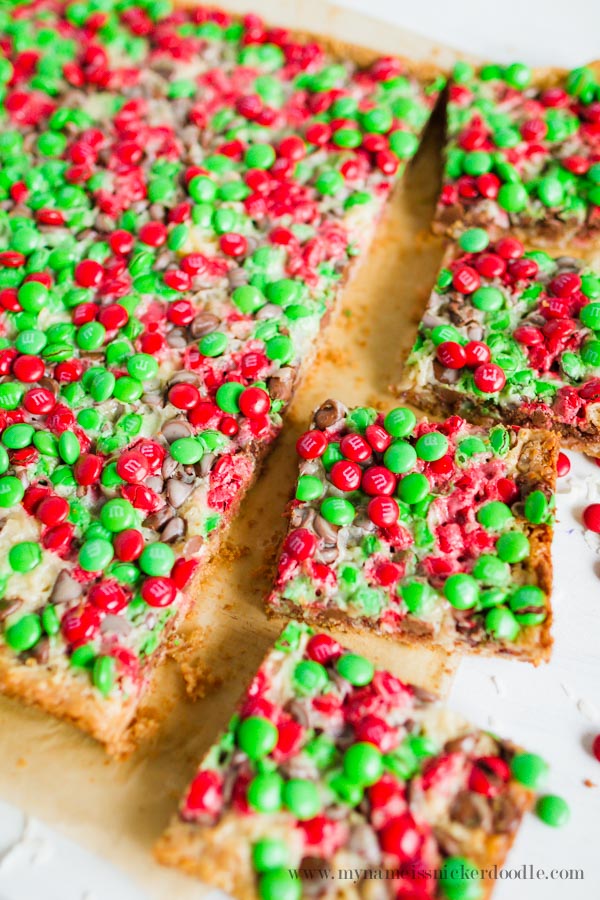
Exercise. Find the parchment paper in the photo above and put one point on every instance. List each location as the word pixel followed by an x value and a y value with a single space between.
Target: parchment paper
pixel 118 809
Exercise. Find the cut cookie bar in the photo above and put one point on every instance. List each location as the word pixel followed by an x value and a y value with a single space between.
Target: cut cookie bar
pixel 511 335
pixel 183 196
pixel 436 533
pixel 333 777
pixel 523 151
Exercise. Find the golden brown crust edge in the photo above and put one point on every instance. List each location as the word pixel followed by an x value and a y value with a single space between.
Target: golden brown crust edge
pixel 451 403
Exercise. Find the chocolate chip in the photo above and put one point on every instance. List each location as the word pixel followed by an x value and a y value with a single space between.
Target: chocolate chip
pixel 281 385
pixel 204 323
pixel 471 810
pixel 8 607
pixel 174 529
pixel 65 588
pixel 175 429
pixel 329 414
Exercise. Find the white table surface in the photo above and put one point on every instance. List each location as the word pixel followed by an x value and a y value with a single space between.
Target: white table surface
pixel 553 710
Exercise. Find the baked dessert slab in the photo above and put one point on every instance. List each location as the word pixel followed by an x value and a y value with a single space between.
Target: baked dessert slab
pixel 522 152
pixel 330 766
pixel 430 533
pixel 509 335
pixel 182 204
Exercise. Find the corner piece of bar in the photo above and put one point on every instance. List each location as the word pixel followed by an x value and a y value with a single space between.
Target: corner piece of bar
pixel 522 152
pixel 436 533
pixel 331 769
pixel 511 335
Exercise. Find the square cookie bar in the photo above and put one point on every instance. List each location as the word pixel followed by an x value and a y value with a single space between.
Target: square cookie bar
pixel 183 198
pixel 523 151
pixel 511 336
pixel 335 778
pixel 434 533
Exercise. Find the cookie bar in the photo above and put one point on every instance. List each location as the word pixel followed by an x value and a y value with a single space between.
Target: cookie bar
pixel 334 777
pixel 511 335
pixel 183 195
pixel 435 533
pixel 523 151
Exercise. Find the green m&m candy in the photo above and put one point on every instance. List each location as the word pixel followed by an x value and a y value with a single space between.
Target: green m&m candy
pixel 260 156
pixel 187 451
pixel 494 515
pixel 301 797
pixel 117 515
pixel 279 884
pixel 400 422
pixel 590 316
pixel 413 488
pixel 418 596
pixel 310 677
pixel 68 447
pixel 550 191
pixel 11 491
pixel 142 366
pixel 491 570
pixel 487 299
pixel 400 457
pixel 280 349
pixel 356 669
pixel 104 673
pixel 228 395
pixel 460 879
pixel 264 792
pixel 528 603
pixel 95 555
pixel 50 620
pixel 309 487
pixel 529 769
pixel 502 624
pixel 24 556
pixel 157 559
pixel 403 144
pixel 473 240
pixel 256 736
pixel 536 507
pixel 330 183
pixel 553 810
pixel 471 446
pixel 248 299
pixel 512 547
pixel 461 591
pixel 32 296
pixel 363 763
pixel 512 197
pixel 518 75
pixel 213 344
pixel 590 354
pixel 269 853
pixel 18 436
pixel 338 511
pixel 24 634
pixel 431 446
